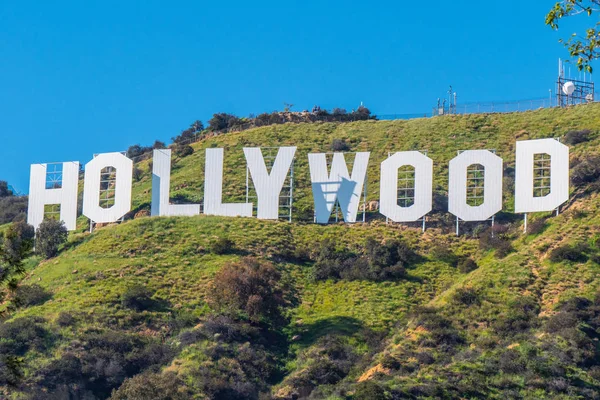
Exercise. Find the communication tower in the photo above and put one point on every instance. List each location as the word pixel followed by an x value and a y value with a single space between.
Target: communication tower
pixel 571 91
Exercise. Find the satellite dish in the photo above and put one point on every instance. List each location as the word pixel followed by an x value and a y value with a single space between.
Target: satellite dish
pixel 568 88
pixel 589 97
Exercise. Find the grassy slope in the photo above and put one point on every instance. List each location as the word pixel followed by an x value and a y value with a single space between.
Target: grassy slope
pixel 171 255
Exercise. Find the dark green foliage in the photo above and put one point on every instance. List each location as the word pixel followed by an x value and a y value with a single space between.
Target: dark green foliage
pixel 18 241
pixel 158 145
pixel 138 298
pixel 498 239
pixel 585 171
pixel 10 370
pixel 137 173
pixel 65 319
pixel 576 137
pixel 467 296
pixel 442 334
pixel 466 265
pixel 443 253
pixel 251 289
pixel 521 316
pixel 183 150
pixel 4 190
pixel 567 252
pixel 31 295
pixel 137 152
pixel 339 145
pixel 13 208
pixel 96 364
pixel 326 363
pixel 50 235
pixel 223 122
pixel 222 246
pixel 187 136
pixel 377 261
pixel 155 386
pixel 369 390
pixel 20 335
pixel 536 226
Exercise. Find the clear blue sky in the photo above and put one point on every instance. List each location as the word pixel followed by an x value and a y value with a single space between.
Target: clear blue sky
pixel 82 77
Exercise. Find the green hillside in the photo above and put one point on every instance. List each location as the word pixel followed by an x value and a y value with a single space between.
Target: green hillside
pixel 511 315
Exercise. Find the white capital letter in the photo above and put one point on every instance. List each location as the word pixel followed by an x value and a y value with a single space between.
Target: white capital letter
pixel 423 185
pixel 213 189
pixel 492 190
pixel 161 183
pixel 268 186
pixel 559 175
pixel 91 187
pixel 337 185
pixel 66 196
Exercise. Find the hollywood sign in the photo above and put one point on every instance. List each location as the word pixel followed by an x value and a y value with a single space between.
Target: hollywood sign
pixel 330 184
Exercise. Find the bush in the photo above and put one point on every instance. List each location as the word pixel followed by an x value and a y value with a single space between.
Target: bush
pixel 22 334
pixel 250 288
pixel 369 390
pixel 50 235
pixel 155 386
pixel 566 252
pixel 586 171
pixel 522 315
pixel 467 296
pixel 339 145
pixel 576 137
pixel 537 226
pixel 378 261
pixel 13 208
pixel 443 253
pixel 466 265
pixel 183 150
pixel 498 239
pixel 137 173
pixel 31 295
pixel 510 362
pixel 65 319
pixel 17 243
pixel 137 297
pixel 222 246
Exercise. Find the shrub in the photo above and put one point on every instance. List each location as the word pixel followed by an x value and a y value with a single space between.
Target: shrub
pixel 155 386
pixel 466 265
pixel 522 314
pixel 31 295
pixel 17 243
pixel 65 319
pixel 339 145
pixel 50 235
pixel 576 137
pixel 443 253
pixel 252 288
pixel 13 208
pixel 222 246
pixel 498 239
pixel 586 171
pixel 537 226
pixel 22 334
pixel 369 390
pixel 467 296
pixel 186 137
pixel 137 297
pixel 510 362
pixel 566 252
pixel 183 150
pixel 137 173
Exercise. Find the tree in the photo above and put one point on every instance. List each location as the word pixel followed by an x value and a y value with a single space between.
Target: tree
pixel 49 236
pixel 584 48
pixel 4 190
pixel 14 247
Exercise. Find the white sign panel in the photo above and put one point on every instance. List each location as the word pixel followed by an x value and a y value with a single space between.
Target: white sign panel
pixel 388 202
pixel 457 185
pixel 559 175
pixel 91 188
pixel 337 185
pixel 268 185
pixel 213 189
pixel 65 196
pixel 161 186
